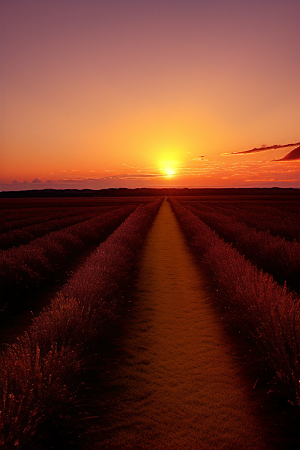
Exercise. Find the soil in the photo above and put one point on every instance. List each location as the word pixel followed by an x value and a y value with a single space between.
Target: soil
pixel 172 380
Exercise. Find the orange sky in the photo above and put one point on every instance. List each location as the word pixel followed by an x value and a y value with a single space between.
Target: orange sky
pixel 120 93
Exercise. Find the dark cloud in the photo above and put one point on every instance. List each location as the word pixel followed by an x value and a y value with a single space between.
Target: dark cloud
pixel 291 156
pixel 263 148
pixel 36 180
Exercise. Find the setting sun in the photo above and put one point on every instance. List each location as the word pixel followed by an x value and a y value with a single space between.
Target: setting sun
pixel 168 168
pixel 169 172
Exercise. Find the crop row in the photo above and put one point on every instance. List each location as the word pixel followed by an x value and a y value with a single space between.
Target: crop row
pixel 257 303
pixel 291 207
pixel 272 254
pixel 288 210
pixel 282 222
pixel 27 234
pixel 23 269
pixel 18 214
pixel 40 373
pixel 41 215
pixel 260 218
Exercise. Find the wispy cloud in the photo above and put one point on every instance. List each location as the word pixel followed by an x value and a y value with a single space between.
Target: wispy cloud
pixel 248 172
pixel 127 165
pixel 199 158
pixel 291 156
pixel 263 148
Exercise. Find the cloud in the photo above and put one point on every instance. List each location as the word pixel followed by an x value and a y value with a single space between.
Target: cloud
pixel 291 156
pixel 131 167
pixel 138 176
pixel 199 158
pixel 230 173
pixel 263 148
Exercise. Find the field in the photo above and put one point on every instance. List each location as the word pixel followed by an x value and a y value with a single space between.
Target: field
pixel 87 290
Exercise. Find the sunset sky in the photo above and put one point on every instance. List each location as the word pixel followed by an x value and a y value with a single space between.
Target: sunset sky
pixel 136 93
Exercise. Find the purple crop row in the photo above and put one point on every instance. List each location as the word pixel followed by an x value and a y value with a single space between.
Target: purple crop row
pixel 279 222
pixel 259 217
pixel 24 268
pixel 27 234
pixel 40 373
pixel 15 214
pixel 258 304
pixel 40 215
pixel 288 210
pixel 272 254
pixel 291 207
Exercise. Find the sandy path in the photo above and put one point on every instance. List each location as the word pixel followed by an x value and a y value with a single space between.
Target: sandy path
pixel 174 384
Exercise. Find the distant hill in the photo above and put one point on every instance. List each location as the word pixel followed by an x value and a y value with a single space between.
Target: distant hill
pixel 124 192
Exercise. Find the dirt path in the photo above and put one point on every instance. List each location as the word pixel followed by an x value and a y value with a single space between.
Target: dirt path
pixel 174 384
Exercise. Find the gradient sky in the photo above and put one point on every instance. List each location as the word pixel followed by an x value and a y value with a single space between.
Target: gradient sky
pixel 111 93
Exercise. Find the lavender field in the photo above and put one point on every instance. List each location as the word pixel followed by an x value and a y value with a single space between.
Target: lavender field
pixel 75 272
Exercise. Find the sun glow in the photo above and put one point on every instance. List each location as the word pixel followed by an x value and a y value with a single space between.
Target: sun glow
pixel 169 172
pixel 168 168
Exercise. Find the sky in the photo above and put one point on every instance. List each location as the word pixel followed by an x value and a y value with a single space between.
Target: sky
pixel 137 93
